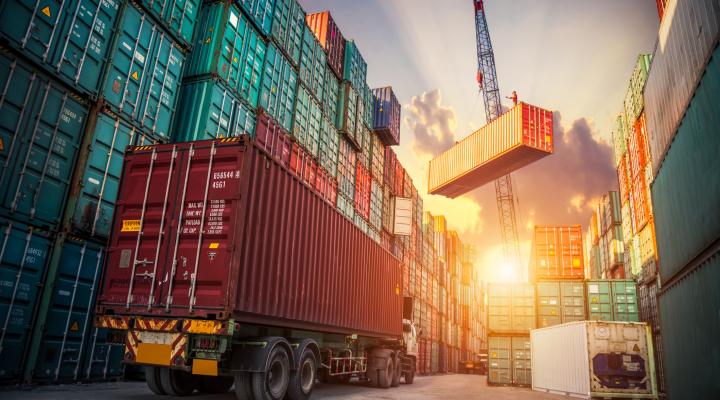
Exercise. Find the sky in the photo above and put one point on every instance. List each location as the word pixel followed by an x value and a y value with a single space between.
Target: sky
pixel 573 57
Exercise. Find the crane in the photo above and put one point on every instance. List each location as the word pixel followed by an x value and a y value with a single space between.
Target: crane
pixel 487 79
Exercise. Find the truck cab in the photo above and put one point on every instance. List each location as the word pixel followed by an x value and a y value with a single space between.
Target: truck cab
pixel 410 337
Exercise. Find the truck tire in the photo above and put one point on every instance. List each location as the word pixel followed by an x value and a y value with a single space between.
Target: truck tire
pixel 243 386
pixel 215 384
pixel 272 384
pixel 397 371
pixel 152 378
pixel 380 368
pixel 410 376
pixel 302 380
pixel 176 382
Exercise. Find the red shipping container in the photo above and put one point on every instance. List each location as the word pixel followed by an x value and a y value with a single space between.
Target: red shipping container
pixel 389 167
pixel 399 179
pixel 331 39
pixel 273 138
pixel 557 253
pixel 261 247
pixel 320 181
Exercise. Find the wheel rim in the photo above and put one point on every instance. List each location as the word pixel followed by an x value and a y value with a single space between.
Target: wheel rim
pixel 276 378
pixel 307 376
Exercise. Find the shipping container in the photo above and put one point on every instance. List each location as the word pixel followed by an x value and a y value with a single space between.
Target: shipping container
pixel 611 214
pixel 640 198
pixel 511 307
pixel 517 138
pixel 612 300
pixel 368 107
pixel 509 360
pixel 355 67
pixel 591 359
pixel 329 147
pixel 307 120
pixel 41 130
pixel 278 88
pixel 347 161
pixel 330 37
pixel 313 65
pixel 634 97
pixel 623 180
pixel 559 302
pixel 24 255
pixel 619 138
pixel 227 46
pixel 376 205
pixel 377 159
pixel 69 40
pixel 273 138
pixel 331 96
pixel 209 110
pixel 178 17
pixel 648 304
pixel 232 171
pixel 363 183
pixel 687 38
pixel 348 115
pixel 287 28
pixel 260 12
pixel 143 75
pixel 686 189
pixel 557 253
pixel 386 115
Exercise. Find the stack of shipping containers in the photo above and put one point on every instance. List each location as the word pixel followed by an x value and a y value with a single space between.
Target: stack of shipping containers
pixel 604 247
pixel 81 86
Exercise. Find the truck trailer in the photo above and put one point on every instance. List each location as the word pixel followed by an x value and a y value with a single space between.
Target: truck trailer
pixel 229 264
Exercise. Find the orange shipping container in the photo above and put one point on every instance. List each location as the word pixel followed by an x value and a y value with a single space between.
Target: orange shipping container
pixel 330 37
pixel 515 139
pixel 638 147
pixel 641 202
pixel 623 180
pixel 557 253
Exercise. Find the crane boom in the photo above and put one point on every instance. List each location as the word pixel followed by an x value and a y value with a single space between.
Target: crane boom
pixel 487 75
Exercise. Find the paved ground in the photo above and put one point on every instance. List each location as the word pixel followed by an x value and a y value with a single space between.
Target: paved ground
pixel 444 387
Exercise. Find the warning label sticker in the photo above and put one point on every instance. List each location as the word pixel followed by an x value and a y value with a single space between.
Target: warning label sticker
pixel 130 225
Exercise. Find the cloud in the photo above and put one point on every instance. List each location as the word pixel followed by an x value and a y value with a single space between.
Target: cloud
pixel 432 124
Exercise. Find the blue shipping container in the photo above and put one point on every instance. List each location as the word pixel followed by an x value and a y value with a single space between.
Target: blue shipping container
pixel 70 39
pixel 288 27
pixel 279 87
pixel 209 110
pixel 260 12
pixel 386 116
pixel 143 76
pixel 24 253
pixel 355 67
pixel 227 46
pixel 178 16
pixel 41 127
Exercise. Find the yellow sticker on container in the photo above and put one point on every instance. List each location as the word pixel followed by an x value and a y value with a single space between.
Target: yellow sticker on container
pixel 135 75
pixel 46 11
pixel 576 262
pixel 214 245
pixel 130 225
pixel 548 139
pixel 74 327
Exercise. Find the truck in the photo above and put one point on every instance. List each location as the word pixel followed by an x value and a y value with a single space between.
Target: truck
pixel 229 265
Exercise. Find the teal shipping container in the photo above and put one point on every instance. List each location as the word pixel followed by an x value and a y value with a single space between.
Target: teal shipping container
pixel 260 12
pixel 690 330
pixel 307 120
pixel 228 46
pixel 328 147
pixel 209 110
pixel 41 127
pixel 68 331
pixel 93 211
pixel 278 88
pixel 509 360
pixel 104 355
pixel 178 17
pixel 686 189
pixel 313 64
pixel 288 27
pixel 70 40
pixel 331 96
pixel 347 115
pixel 612 300
pixel 559 302
pixel 24 253
pixel 143 76
pixel 355 67
pixel 368 107
pixel 511 308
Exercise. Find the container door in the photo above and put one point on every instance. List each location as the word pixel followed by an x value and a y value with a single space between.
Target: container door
pixel 599 302
pixel 521 374
pixel 549 308
pixel 573 301
pixel 499 358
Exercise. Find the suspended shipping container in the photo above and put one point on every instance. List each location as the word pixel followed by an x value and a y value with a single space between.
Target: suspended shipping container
pixel 330 37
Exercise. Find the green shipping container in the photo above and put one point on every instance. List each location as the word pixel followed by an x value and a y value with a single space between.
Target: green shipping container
pixel 347 115
pixel 559 302
pixel 368 104
pixel 260 12
pixel 24 252
pixel 329 147
pixel 313 64
pixel 278 88
pixel 690 330
pixel 509 360
pixel 178 16
pixel 686 189
pixel 511 307
pixel 330 97
pixel 521 363
pixel 612 300
pixel 209 110
pixel 41 127
pixel 288 27
pixel 307 120
pixel 70 40
pixel 143 76
pixel 354 67
pixel 229 47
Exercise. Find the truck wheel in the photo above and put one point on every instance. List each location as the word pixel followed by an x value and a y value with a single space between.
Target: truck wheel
pixel 397 372
pixel 215 384
pixel 243 386
pixel 152 378
pixel 380 368
pixel 176 383
pixel 273 383
pixel 410 376
pixel 385 374
pixel 302 380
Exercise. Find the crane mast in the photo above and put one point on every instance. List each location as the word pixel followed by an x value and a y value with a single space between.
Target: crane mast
pixel 487 79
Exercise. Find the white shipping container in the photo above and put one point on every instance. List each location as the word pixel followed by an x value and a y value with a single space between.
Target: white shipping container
pixel 587 359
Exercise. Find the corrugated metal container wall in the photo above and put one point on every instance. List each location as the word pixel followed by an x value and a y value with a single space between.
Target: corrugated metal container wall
pixel 386 115
pixel 41 127
pixel 24 255
pixel 623 180
pixel 70 40
pixel 329 147
pixel 178 18
pixel 363 183
pixel 227 46
pixel 634 96
pixel 559 302
pixel 619 144
pixel 688 34
pixel 261 13
pixel 511 308
pixel 288 27
pixel 278 88
pixel 313 64
pixel 377 158
pixel 347 115
pixel 368 107
pixel 346 169
pixel 557 253
pixel 686 189
pixel 332 40
pixel 307 120
pixel 611 214
pixel 517 138
pixel 689 336
pixel 612 300
pixel 355 67
pixel 143 75
pixel 331 96
pixel 376 205
pixel 242 185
